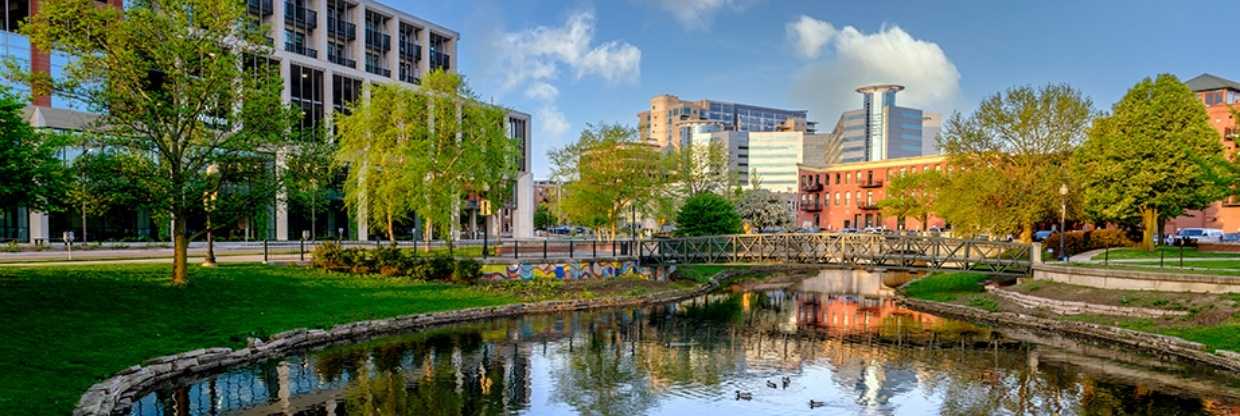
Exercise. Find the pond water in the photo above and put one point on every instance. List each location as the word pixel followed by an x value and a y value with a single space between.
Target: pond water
pixel 837 338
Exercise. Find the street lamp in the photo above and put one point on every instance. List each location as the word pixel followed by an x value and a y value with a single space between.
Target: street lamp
pixel 1063 214
pixel 208 205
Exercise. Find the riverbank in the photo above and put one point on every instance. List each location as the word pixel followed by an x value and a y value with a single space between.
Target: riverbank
pixel 1199 327
pixel 69 327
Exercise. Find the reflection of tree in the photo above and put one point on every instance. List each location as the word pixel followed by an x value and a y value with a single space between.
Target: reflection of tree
pixel 602 379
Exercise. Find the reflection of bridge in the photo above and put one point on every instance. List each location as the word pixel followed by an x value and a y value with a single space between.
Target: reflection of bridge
pixel 895 251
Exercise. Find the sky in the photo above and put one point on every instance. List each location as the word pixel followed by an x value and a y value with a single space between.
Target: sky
pixel 571 63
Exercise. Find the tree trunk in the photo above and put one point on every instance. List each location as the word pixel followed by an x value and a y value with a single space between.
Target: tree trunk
pixel 83 223
pixel 1026 233
pixel 180 249
pixel 391 229
pixel 1149 226
pixel 925 222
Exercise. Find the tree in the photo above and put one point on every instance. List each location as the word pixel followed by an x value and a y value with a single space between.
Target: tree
pixel 30 173
pixel 762 209
pixel 308 177
pixel 182 81
pixel 422 151
pixel 707 214
pixel 606 174
pixel 543 218
pixel 1020 142
pixel 912 195
pixel 1148 159
pixel 701 168
pixel 103 180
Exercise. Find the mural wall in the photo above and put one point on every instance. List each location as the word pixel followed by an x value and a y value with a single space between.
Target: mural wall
pixel 573 270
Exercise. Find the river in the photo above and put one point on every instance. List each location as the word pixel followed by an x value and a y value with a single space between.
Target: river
pixel 834 343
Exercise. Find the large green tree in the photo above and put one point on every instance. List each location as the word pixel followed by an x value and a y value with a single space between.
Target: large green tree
pixel 607 175
pixel 104 180
pixel 762 209
pixel 707 214
pixel 422 151
pixel 309 178
pixel 1147 160
pixel 30 173
pixel 912 195
pixel 1020 143
pixel 182 81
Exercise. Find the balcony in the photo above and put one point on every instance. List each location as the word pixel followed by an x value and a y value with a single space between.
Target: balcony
pixel 811 187
pixel 261 8
pixel 301 50
pixel 341 29
pixel 378 40
pixel 440 60
pixel 868 206
pixel 871 184
pixel 378 70
pixel 299 16
pixel 1231 133
pixel 340 60
pixel 411 50
pixel 812 206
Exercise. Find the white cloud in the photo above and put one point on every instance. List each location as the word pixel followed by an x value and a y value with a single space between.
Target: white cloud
pixel 852 58
pixel 699 14
pixel 551 122
pixel 542 91
pixel 809 35
pixel 538 54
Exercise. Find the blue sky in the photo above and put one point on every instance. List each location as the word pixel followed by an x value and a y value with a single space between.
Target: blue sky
pixel 569 63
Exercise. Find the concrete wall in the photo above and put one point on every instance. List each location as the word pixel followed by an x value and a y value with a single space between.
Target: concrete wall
pixel 1137 280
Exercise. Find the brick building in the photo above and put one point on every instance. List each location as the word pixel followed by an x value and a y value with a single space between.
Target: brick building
pixel 846 195
pixel 1220 96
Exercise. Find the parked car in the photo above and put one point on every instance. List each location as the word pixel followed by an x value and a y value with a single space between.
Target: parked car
pixel 1192 236
pixel 1230 238
pixel 848 230
pixel 1042 235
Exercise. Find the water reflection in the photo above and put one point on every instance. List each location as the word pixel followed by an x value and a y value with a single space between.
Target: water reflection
pixel 836 336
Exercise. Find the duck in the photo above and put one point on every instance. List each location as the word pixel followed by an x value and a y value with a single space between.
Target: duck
pixel 816 404
pixel 771 384
pixel 785 381
pixel 744 395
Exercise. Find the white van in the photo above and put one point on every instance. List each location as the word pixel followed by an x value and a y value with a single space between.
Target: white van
pixel 1196 235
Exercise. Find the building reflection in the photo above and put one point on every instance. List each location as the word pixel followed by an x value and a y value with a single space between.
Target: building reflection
pixel 838 332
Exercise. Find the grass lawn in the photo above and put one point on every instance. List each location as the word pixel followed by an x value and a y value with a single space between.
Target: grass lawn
pixel 1168 253
pixel 66 328
pixel 946 287
pixel 1210 267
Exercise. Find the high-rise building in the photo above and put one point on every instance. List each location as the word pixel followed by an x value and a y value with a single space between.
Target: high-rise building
pixel 327 50
pixel 669 119
pixel 880 129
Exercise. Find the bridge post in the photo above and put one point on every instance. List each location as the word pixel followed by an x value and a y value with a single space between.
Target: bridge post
pixel 1035 253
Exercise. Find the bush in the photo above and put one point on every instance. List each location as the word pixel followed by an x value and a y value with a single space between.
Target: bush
pixel 1081 241
pixel 707 214
pixel 393 262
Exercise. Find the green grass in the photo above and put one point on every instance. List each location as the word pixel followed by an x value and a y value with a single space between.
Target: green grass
pixel 945 287
pixel 1167 252
pixel 700 273
pixel 66 328
pixel 1224 336
pixel 1169 267
pixel 1201 264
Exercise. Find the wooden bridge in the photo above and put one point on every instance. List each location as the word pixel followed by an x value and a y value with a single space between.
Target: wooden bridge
pixel 872 250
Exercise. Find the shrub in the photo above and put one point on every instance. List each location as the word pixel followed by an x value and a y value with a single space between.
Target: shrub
pixel 707 214
pixel 329 256
pixel 467 271
pixel 1082 241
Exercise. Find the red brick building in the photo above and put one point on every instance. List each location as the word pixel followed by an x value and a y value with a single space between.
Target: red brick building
pixel 1219 96
pixel 846 195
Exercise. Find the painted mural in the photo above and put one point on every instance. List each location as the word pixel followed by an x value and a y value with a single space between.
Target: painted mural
pixel 570 270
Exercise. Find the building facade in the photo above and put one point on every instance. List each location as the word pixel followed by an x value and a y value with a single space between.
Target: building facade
pixel 664 122
pixel 1219 96
pixel 327 51
pixel 882 130
pixel 845 196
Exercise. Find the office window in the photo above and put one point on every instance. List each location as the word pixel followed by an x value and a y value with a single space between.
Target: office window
pixel 306 92
pixel 14 12
pixel 516 131
pixel 847 199
pixel 345 91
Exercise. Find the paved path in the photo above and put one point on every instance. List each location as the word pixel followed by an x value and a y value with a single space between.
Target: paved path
pixel 247 258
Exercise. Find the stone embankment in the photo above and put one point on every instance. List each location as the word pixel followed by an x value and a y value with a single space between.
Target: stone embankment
pixel 117 394
pixel 1067 307
pixel 1154 343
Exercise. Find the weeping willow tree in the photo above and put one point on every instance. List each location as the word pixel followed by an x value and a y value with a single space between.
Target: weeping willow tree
pixel 422 152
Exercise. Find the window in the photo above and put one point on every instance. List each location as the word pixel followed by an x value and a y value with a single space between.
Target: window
pixel 14 12
pixel 516 130
pixel 847 199
pixel 306 92
pixel 345 91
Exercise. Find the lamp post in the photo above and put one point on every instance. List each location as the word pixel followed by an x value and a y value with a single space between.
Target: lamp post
pixel 1063 214
pixel 484 209
pixel 208 205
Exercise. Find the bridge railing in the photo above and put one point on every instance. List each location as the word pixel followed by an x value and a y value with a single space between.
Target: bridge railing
pixel 907 251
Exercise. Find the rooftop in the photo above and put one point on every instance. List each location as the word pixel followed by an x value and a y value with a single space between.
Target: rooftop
pixel 1208 82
